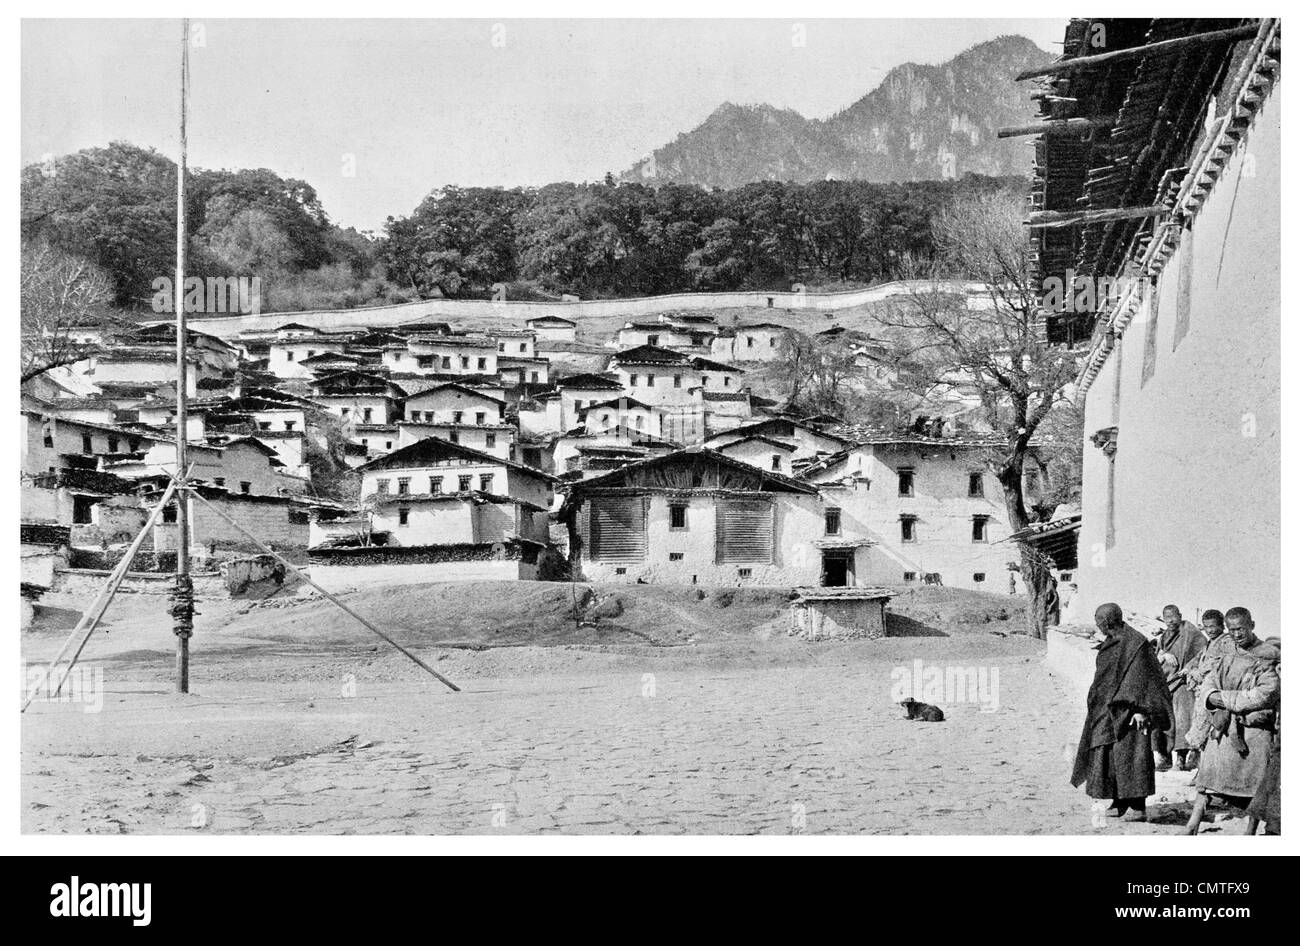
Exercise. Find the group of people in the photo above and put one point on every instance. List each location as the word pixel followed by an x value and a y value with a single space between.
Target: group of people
pixel 1204 698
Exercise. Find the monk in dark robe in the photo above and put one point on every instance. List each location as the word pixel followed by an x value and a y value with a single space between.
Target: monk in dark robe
pixel 1178 648
pixel 1128 699
pixel 1242 695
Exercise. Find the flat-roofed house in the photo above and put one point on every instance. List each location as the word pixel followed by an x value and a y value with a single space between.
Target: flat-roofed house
pixel 904 506
pixel 758 341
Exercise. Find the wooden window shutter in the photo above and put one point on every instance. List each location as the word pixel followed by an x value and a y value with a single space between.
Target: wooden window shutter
pixel 745 531
pixel 617 528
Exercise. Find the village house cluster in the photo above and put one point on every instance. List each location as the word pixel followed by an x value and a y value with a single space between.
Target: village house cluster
pixel 462 454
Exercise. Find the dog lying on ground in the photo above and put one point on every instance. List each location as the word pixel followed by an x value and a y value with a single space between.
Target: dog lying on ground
pixel 925 712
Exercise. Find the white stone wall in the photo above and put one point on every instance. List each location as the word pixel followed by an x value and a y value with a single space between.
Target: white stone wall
pixel 1196 508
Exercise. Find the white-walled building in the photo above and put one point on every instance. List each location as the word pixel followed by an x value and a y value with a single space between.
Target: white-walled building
pixel 1182 376
pixel 553 328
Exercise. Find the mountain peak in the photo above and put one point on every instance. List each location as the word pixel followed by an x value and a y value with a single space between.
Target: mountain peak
pixel 922 122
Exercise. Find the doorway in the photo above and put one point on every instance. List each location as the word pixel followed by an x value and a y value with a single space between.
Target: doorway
pixel 837 568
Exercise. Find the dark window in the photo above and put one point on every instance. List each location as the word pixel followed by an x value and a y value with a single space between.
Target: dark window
pixel 978 576
pixel 534 376
pixel 909 576
pixel 490 440
pixel 976 485
pixel 169 513
pixel 482 364
pixel 726 380
pixel 677 516
pixel 906 482
pixel 776 462
pixel 745 572
pixel 979 530
pixel 749 342
pixel 631 378
pixel 245 487
pixel 48 437
pixel 523 347
pixel 288 356
pixel 649 381
pixel 81 508
pixel 288 424
pixel 832 522
pixel 366 414
pixel 652 339
pixel 403 516
pixel 677 381
pixel 466 482
pixel 263 425
pixel 435 484
pixel 112 445
pixel 485 482
pixel 457 416
pixel 464 361
pixel 403 485
pixel 908 524
pixel 675 556
pixel 453 436
pixel 87 445
pixel 446 361
pixel 480 418
pixel 381 487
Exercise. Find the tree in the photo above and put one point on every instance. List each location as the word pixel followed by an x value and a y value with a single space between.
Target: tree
pixel 459 242
pixel 994 354
pixel 113 206
pixel 58 292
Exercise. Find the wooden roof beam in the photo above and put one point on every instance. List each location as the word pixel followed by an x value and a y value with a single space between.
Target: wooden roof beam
pixel 1048 219
pixel 1060 127
pixel 1120 55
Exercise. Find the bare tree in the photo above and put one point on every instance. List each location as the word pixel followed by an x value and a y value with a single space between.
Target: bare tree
pixel 987 350
pixel 821 375
pixel 58 292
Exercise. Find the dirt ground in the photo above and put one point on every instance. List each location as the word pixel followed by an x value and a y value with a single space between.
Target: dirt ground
pixel 657 712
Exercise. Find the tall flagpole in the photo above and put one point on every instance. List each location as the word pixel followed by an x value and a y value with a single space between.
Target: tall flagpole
pixel 182 608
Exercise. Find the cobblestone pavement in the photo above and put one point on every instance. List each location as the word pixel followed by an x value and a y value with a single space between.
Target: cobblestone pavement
pixel 701 751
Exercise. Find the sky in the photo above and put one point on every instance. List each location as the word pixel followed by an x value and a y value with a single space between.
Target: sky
pixel 377 113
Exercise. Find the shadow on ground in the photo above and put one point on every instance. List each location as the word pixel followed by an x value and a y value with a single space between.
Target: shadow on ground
pixel 896 625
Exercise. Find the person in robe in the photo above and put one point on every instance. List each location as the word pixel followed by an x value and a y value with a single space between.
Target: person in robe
pixel 1242 696
pixel 1266 806
pixel 1218 644
pixel 1127 702
pixel 1178 648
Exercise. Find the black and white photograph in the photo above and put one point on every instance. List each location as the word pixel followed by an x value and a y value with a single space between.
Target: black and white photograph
pixel 784 425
